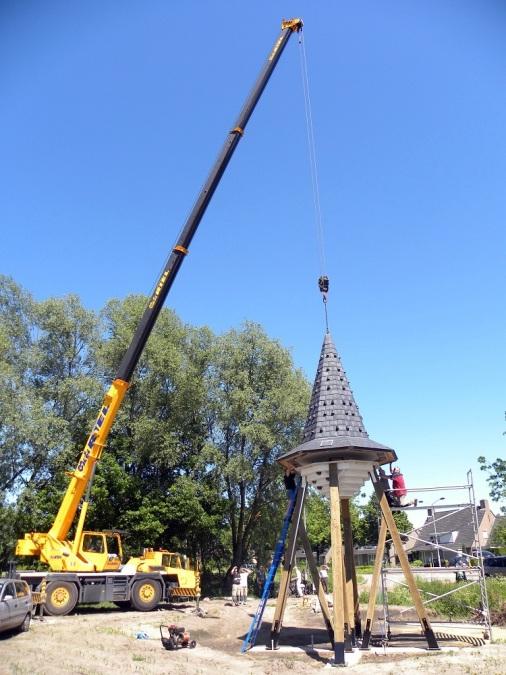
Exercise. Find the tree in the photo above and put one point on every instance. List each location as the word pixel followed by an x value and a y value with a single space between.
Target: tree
pixel 317 522
pixel 47 387
pixel 498 536
pixel 47 383
pixel 168 496
pixel 258 403
pixel 368 530
pixel 496 478
pixel 190 462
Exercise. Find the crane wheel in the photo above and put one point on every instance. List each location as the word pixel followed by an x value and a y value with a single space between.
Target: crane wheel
pixel 61 598
pixel 145 595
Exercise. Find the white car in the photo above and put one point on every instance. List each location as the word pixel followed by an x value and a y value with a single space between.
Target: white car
pixel 15 605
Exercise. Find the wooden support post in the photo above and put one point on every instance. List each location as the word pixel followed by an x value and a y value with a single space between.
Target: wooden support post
pixel 347 610
pixel 403 559
pixel 378 561
pixel 316 581
pixel 350 573
pixel 337 566
pixel 287 570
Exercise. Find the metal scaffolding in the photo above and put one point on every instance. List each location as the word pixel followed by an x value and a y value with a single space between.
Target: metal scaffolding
pixel 470 576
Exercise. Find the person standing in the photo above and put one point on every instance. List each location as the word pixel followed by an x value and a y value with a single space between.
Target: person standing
pixel 236 585
pixel 243 593
pixel 298 581
pixel 324 575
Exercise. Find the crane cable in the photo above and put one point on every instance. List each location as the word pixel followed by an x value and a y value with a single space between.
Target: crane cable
pixel 323 281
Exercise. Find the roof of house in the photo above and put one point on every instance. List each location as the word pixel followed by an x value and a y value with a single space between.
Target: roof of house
pixel 450 520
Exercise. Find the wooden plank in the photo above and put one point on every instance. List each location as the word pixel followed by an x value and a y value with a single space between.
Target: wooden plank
pixel 337 565
pixel 403 559
pixel 350 572
pixel 373 592
pixel 317 582
pixel 347 608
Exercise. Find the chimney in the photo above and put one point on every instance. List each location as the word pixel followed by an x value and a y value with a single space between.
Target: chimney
pixel 484 504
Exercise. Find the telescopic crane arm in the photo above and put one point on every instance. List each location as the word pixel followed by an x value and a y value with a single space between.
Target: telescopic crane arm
pixel 80 478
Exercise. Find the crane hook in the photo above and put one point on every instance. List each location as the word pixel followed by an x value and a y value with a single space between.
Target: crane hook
pixel 323 285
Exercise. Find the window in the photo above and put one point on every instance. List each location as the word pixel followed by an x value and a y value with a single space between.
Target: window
pixel 171 560
pixel 112 546
pixel 444 537
pixel 9 591
pixel 21 589
pixel 93 543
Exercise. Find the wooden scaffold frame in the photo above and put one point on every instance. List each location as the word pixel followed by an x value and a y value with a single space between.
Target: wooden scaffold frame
pixel 343 623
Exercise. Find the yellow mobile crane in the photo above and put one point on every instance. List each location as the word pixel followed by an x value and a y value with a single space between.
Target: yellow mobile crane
pixel 88 568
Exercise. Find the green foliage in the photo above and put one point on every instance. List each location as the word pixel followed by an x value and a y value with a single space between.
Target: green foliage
pixel 190 462
pixel 496 478
pixel 258 403
pixel 498 538
pixel 48 387
pixel 365 525
pixel 318 521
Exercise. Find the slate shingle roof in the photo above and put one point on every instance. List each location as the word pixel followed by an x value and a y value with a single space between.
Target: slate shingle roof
pixel 334 429
pixel 332 410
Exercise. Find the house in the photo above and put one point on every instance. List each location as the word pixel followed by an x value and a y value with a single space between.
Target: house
pixel 453 530
pixel 364 555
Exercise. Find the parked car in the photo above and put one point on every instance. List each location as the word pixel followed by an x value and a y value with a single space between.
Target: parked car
pixel 495 566
pixel 484 553
pixel 15 605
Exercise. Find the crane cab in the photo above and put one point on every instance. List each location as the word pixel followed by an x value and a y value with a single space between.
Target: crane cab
pixel 102 550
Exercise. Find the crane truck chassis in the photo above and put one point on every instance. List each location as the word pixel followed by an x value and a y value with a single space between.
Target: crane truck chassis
pixel 141 584
pixel 80 573
pixel 142 591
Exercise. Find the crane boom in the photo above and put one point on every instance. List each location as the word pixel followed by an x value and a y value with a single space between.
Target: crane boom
pixel 49 546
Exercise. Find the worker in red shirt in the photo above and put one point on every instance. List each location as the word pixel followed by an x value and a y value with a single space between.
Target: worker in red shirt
pixel 399 491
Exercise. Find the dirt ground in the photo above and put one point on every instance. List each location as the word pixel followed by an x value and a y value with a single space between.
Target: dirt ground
pixel 96 640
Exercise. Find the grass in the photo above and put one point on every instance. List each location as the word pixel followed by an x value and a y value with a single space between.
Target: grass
pixel 364 569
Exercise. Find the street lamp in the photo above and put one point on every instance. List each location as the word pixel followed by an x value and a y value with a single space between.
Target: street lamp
pixel 435 531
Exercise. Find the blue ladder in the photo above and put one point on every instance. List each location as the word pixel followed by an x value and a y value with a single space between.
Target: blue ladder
pixel 250 639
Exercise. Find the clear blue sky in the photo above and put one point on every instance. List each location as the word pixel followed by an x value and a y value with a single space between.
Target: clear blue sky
pixel 113 112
